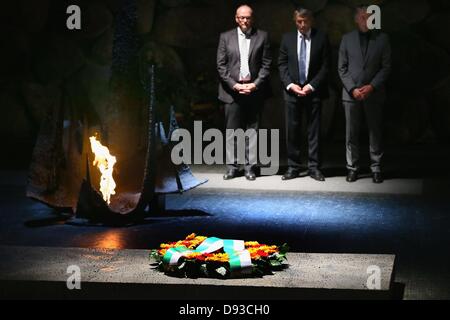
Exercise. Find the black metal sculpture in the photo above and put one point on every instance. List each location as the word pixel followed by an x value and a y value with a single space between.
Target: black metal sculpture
pixel 61 174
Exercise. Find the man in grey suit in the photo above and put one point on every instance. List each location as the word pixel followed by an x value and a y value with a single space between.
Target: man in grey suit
pixel 364 65
pixel 243 64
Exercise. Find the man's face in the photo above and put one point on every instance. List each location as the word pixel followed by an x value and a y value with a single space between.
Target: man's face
pixel 244 18
pixel 303 24
pixel 361 20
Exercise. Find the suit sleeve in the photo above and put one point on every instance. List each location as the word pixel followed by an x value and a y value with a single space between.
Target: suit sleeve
pixel 382 75
pixel 264 71
pixel 283 63
pixel 344 74
pixel 321 77
pixel 222 63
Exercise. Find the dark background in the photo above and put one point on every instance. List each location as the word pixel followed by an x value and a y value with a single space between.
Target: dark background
pixel 42 62
pixel 38 54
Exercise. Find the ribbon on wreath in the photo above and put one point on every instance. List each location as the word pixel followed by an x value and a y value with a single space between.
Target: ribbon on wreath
pixel 239 258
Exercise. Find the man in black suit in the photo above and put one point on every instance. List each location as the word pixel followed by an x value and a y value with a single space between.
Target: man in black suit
pixel 364 65
pixel 303 64
pixel 243 63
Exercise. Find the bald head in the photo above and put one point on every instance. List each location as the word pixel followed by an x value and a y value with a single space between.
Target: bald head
pixel 244 17
pixel 244 9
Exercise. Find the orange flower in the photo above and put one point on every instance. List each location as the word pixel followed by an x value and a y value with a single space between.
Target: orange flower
pixel 251 244
pixel 255 256
pixel 193 255
pixel 191 236
pixel 268 249
pixel 201 257
pixel 262 253
pixel 218 257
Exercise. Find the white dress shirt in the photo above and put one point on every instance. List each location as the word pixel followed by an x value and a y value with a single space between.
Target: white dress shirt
pixel 244 73
pixel 308 54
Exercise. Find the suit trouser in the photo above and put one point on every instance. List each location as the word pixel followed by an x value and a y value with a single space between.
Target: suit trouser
pixel 293 131
pixel 354 112
pixel 243 113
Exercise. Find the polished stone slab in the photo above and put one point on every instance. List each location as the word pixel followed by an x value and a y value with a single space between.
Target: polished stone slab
pixel 108 273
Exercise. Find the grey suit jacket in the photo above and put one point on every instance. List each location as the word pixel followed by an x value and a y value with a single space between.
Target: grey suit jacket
pixel 356 71
pixel 228 63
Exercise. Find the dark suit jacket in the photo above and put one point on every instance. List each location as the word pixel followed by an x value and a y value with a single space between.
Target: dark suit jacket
pixel 356 71
pixel 228 63
pixel 318 63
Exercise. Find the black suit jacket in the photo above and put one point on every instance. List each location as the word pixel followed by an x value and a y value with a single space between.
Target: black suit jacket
pixel 318 64
pixel 229 62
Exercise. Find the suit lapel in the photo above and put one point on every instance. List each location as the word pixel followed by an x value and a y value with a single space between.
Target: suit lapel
pixel 253 38
pixel 235 41
pixel 357 43
pixel 314 44
pixel 295 54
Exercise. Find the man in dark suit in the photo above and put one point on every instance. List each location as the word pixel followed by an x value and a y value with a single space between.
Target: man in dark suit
pixel 364 65
pixel 243 63
pixel 303 64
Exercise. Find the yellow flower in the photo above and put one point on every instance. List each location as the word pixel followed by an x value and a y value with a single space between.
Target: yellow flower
pixel 193 255
pixel 251 243
pixel 191 236
pixel 195 242
pixel 219 257
pixel 182 243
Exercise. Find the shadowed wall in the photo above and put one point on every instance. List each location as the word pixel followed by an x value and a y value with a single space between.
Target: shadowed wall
pixel 39 57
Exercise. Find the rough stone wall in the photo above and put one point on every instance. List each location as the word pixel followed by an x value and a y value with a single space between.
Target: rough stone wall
pixel 39 58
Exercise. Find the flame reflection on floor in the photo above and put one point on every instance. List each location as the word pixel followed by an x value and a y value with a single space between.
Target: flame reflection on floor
pixel 111 239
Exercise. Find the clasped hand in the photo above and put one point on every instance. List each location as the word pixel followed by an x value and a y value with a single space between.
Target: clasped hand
pixel 363 92
pixel 299 91
pixel 245 88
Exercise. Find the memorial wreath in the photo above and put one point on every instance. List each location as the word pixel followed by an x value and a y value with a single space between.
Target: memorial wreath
pixel 199 256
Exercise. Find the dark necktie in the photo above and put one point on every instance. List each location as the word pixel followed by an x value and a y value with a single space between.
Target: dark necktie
pixel 364 40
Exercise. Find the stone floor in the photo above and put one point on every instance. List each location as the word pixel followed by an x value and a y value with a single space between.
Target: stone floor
pixel 407 216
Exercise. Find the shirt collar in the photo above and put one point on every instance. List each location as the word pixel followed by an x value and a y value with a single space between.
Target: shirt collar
pixel 240 33
pixel 308 34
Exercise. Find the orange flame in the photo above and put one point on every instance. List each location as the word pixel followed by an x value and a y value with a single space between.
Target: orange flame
pixel 105 163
